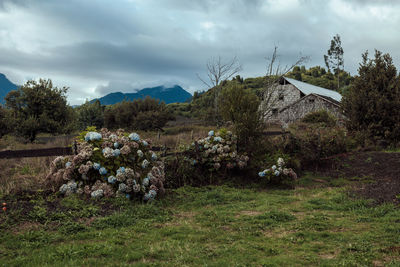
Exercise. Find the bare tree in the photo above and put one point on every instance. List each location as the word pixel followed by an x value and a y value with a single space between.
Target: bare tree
pixel 219 70
pixel 271 92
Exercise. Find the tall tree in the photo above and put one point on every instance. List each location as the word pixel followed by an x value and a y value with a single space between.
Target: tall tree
pixel 373 99
pixel 334 58
pixel 39 107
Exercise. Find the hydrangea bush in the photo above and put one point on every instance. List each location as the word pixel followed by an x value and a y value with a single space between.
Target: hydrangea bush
pixel 109 164
pixel 280 173
pixel 217 151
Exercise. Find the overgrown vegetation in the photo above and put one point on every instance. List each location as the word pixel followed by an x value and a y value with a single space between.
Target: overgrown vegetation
pixel 141 114
pixel 373 100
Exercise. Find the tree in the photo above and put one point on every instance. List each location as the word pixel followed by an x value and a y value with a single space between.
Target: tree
pixel 141 114
pixel 219 71
pixel 240 106
pixel 372 101
pixel 334 58
pixel 90 114
pixel 270 95
pixel 39 107
pixel 6 123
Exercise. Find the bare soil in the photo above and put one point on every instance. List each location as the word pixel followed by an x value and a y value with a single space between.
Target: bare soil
pixel 380 169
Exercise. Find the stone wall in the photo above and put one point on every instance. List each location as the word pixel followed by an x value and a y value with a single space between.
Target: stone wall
pixel 285 95
pixel 307 104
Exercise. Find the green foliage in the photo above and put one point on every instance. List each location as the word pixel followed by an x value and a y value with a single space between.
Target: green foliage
pixel 39 107
pixel 241 107
pixel 321 116
pixel 319 77
pixel 180 109
pixel 372 102
pixel 141 114
pixel 312 142
pixel 90 114
pixel 6 122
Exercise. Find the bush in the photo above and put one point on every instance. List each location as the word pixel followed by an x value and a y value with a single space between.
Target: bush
pixel 321 116
pixel 279 173
pixel 109 164
pixel 311 143
pixel 141 114
pixel 208 160
pixel 240 106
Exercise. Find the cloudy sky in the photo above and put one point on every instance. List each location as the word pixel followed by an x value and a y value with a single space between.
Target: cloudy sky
pixel 99 46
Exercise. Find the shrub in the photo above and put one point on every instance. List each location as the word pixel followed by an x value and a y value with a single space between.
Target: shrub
pixel 311 143
pixel 240 106
pixel 279 173
pixel 321 116
pixel 108 164
pixel 142 114
pixel 207 160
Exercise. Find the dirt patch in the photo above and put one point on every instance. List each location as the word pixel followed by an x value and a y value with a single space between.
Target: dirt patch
pixel 381 170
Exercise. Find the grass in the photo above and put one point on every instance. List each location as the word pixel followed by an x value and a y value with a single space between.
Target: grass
pixel 213 226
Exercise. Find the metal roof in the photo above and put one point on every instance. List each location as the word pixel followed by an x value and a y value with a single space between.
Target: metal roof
pixel 307 89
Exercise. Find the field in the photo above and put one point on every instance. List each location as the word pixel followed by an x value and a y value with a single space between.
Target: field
pixel 343 213
pixel 213 226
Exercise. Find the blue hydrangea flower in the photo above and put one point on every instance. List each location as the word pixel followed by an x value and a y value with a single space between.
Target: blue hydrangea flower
pixel 116 152
pixel 96 166
pixel 261 174
pixel 68 164
pixel 111 179
pixel 102 171
pixel 276 173
pixel 134 137
pixel 146 181
pixel 211 133
pixel 116 145
pixel 121 170
pixel 218 139
pixel 146 197
pixel 145 163
pixel 273 167
pixel 92 136
pixel 152 193
pixel 140 153
pixel 154 156
pixel 145 143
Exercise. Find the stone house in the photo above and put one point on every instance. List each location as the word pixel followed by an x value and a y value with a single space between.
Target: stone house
pixel 290 100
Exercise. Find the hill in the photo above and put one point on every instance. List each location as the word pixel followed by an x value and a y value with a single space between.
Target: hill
pixel 5 87
pixel 175 94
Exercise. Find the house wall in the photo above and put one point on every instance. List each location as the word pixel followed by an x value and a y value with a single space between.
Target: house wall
pixel 310 103
pixel 290 95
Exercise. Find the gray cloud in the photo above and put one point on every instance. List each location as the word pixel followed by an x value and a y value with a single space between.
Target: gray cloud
pixel 95 47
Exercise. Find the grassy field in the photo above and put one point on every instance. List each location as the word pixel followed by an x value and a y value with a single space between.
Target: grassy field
pixel 211 226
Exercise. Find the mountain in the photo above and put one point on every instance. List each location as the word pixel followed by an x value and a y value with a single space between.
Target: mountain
pixel 5 87
pixel 168 95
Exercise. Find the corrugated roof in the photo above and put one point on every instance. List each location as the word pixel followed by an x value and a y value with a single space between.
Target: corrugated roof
pixel 307 89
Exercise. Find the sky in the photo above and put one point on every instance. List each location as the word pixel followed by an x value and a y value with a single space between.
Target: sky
pixel 95 47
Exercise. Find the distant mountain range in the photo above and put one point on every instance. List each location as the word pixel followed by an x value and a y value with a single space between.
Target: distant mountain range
pixel 5 87
pixel 168 95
